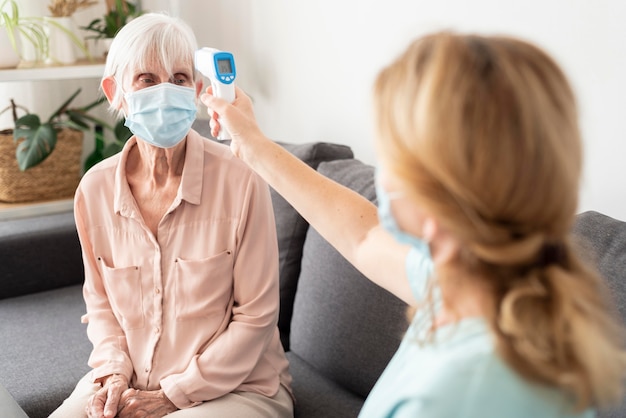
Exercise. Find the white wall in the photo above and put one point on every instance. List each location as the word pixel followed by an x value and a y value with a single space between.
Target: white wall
pixel 310 64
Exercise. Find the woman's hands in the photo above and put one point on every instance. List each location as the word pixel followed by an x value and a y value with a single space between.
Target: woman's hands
pixel 116 400
pixel 238 119
pixel 104 402
pixel 144 404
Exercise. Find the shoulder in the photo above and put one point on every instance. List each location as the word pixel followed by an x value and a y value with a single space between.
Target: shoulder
pixel 468 378
pixel 101 174
pixel 218 154
pixel 223 174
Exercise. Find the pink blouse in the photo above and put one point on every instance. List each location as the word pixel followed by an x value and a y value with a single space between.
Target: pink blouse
pixel 194 310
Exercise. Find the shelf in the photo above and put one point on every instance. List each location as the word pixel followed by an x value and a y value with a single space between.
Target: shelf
pixel 30 72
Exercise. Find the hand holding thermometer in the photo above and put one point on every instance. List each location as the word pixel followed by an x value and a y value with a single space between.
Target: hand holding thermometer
pixel 219 67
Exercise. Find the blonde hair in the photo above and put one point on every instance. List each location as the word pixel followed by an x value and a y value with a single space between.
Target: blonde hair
pixel 483 132
pixel 148 39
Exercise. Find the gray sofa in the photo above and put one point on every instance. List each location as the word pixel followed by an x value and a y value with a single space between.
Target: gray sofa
pixel 339 329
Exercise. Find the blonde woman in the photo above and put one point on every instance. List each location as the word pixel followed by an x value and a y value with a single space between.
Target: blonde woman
pixel 479 166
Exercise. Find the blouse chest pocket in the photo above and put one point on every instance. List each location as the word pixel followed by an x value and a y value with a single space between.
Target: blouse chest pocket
pixel 123 285
pixel 204 286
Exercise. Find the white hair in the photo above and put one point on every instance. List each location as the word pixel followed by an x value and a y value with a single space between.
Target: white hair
pixel 150 38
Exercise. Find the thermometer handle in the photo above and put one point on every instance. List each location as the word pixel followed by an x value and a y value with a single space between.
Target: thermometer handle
pixel 226 92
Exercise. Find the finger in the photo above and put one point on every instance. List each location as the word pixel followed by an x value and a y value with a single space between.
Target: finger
pixel 239 92
pixel 214 124
pixel 126 395
pixel 214 103
pixel 113 399
pixel 95 404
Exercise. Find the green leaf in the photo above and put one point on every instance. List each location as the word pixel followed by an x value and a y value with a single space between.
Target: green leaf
pixel 64 106
pixel 80 114
pixel 36 146
pixel 73 124
pixel 77 120
pixel 93 159
pixel 122 133
pixel 112 149
pixel 96 156
pixel 26 122
pixel 93 104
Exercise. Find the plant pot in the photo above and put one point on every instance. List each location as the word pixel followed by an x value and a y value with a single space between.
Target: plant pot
pixel 104 46
pixel 60 46
pixel 55 178
pixel 9 58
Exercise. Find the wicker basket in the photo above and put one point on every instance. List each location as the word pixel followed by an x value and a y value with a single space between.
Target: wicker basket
pixel 55 178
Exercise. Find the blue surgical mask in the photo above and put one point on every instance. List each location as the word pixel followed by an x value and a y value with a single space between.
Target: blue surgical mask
pixel 161 115
pixel 419 263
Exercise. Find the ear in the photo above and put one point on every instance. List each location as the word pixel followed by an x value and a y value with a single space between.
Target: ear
pixel 444 246
pixel 109 86
pixel 430 228
pixel 199 86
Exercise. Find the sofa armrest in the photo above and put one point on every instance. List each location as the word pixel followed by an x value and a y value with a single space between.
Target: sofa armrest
pixel 39 253
pixel 9 407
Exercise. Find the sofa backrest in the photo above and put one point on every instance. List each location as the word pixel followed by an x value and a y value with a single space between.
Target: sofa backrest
pixel 343 325
pixel 604 240
pixel 291 229
pixel 39 253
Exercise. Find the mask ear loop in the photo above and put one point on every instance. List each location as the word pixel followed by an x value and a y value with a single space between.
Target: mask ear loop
pixel 122 95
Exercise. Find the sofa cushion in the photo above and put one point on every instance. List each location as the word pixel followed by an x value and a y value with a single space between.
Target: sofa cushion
pixel 39 253
pixel 344 326
pixel 44 348
pixel 318 396
pixel 292 227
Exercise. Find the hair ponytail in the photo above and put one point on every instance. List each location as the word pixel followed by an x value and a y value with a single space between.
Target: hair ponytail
pixel 553 326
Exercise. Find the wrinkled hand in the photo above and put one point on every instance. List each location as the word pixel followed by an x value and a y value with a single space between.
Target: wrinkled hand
pixel 238 118
pixel 144 404
pixel 104 402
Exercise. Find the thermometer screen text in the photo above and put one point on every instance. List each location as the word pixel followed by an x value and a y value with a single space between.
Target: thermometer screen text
pixel 224 67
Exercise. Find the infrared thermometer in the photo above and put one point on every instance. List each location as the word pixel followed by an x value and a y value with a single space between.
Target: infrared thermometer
pixel 219 67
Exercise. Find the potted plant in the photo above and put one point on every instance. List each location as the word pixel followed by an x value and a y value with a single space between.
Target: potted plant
pixel 29 169
pixel 60 30
pixel 12 24
pixel 35 30
pixel 106 27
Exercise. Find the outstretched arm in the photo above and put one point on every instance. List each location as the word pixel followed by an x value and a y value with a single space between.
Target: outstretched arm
pixel 347 220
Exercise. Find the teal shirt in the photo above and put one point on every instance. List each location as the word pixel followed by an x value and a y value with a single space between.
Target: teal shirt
pixel 457 373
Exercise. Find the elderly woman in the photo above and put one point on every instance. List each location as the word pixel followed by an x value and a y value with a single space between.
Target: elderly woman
pixel 180 254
